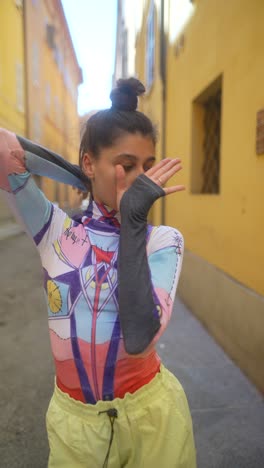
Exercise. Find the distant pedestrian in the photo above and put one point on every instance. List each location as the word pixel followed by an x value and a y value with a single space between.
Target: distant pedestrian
pixel 110 280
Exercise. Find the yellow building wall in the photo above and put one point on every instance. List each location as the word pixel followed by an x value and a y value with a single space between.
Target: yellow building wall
pixel 61 122
pixel 24 75
pixel 57 108
pixel 12 93
pixel 222 276
pixel 225 229
pixel 12 115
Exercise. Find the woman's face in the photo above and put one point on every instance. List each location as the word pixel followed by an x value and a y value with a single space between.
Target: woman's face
pixel 134 152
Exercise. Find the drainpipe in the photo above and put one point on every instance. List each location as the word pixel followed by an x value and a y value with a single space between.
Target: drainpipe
pixel 25 71
pixel 163 74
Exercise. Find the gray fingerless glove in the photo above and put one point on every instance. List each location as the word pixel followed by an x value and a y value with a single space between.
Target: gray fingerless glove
pixel 137 302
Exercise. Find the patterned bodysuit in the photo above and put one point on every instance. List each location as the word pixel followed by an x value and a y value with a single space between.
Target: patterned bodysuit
pixel 80 265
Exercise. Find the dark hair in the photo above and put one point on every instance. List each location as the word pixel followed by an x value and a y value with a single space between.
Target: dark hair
pixel 105 126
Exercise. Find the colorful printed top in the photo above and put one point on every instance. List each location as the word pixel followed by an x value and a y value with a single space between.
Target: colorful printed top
pixel 110 288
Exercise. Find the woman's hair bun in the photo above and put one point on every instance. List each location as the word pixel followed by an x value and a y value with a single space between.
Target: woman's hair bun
pixel 125 96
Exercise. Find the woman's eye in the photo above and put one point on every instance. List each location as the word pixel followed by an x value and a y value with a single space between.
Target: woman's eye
pixel 128 168
pixel 146 168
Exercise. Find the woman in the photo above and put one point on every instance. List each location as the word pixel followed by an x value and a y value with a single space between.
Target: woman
pixel 110 281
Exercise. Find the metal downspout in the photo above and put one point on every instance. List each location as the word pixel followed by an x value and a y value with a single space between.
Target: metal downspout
pixel 163 74
pixel 25 71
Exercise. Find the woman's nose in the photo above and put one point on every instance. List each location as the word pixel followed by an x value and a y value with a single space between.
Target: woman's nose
pixel 140 170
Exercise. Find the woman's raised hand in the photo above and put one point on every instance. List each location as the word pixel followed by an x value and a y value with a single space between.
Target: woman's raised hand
pixel 160 174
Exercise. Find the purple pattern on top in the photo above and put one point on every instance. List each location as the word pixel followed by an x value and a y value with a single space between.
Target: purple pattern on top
pixel 18 189
pixel 85 384
pixel 39 236
pixel 110 365
pixel 72 279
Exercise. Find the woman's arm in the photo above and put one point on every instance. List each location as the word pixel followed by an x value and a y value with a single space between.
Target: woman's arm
pixel 138 305
pixel 44 162
pixel 165 250
pixel 142 309
pixel 18 159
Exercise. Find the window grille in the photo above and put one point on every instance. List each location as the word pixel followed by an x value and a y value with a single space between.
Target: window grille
pixel 211 144
pixel 260 132
pixel 206 139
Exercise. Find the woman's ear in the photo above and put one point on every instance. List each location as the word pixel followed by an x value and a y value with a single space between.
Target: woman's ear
pixel 88 165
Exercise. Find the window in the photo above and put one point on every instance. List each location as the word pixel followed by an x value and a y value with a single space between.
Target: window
pixel 57 110
pixel 36 128
pixel 19 4
pixel 56 55
pixel 150 46
pixel 66 77
pixel 206 139
pixel 48 96
pixel 260 132
pixel 60 61
pixel 124 53
pixel 35 63
pixel 20 86
pixel 50 35
pixel 74 93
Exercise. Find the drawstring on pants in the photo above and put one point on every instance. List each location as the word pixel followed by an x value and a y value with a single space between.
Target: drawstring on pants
pixel 112 414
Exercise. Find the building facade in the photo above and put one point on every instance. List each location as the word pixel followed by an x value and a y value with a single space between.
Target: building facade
pixel 202 63
pixel 12 93
pixel 39 83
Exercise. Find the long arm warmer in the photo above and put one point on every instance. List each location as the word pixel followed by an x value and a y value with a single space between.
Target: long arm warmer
pixel 138 304
pixel 44 162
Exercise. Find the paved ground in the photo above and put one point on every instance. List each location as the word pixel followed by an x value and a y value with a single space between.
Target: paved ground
pixel 228 412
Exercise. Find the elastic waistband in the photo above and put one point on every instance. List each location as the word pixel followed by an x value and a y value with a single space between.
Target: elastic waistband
pixel 132 402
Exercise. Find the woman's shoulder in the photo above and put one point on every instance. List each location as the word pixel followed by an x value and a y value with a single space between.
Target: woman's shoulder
pixel 164 236
pixel 162 230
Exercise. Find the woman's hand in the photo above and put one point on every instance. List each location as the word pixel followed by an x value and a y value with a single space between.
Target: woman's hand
pixel 160 174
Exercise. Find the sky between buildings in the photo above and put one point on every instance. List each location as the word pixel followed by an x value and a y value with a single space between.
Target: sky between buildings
pixel 92 24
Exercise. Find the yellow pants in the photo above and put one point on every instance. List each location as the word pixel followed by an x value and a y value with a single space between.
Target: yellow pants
pixel 153 429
